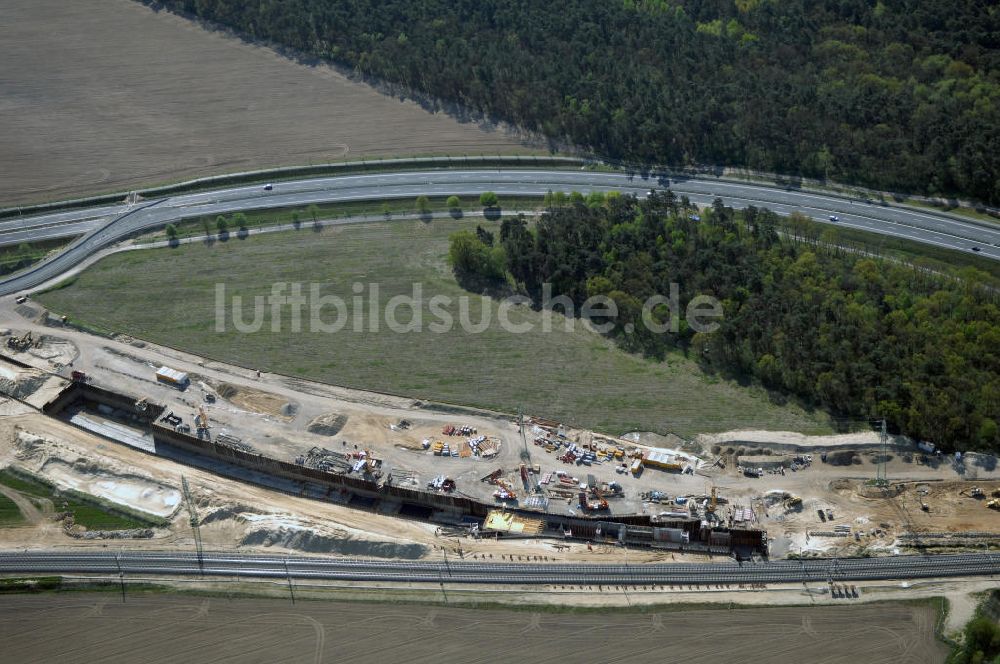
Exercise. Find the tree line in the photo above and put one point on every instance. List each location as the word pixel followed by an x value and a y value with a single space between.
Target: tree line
pixel 901 95
pixel 861 337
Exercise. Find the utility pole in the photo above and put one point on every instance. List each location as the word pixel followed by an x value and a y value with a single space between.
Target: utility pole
pixel 291 590
pixel 193 520
pixel 121 574
pixel 526 455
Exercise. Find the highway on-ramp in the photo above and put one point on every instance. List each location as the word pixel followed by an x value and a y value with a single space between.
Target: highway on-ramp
pixel 175 564
pixel 102 226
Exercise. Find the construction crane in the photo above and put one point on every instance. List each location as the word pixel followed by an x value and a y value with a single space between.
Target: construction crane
pixel 194 521
pixel 881 479
pixel 201 422
pixel 600 503
pixel 371 465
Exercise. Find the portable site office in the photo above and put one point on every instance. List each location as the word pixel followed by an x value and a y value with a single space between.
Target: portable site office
pixel 172 377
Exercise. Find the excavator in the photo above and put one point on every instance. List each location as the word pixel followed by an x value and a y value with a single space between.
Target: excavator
pixel 21 344
pixel 371 465
pixel 505 492
pixel 597 504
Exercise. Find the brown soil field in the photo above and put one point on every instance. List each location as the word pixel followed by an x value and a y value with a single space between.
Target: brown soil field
pixel 148 628
pixel 253 400
pixel 105 95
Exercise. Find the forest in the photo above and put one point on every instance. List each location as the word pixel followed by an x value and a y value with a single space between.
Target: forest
pixel 900 95
pixel 862 337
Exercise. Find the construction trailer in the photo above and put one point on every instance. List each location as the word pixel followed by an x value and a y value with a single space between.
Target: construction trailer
pixel 663 461
pixel 172 377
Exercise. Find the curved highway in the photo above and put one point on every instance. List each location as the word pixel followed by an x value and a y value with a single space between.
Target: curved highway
pixel 102 226
pixel 342 569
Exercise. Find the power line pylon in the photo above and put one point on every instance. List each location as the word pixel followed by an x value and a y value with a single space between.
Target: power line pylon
pixel 883 450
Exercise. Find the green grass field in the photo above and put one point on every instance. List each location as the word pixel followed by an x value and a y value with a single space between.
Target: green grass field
pixel 10 515
pixel 89 513
pixel 167 296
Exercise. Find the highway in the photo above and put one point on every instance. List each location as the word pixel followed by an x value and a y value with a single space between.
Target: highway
pixel 460 571
pixel 106 225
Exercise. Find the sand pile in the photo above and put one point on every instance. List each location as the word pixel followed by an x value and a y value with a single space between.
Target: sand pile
pixel 234 511
pixel 329 424
pixel 20 383
pixel 793 441
pixel 257 401
pixel 29 445
pixel 292 534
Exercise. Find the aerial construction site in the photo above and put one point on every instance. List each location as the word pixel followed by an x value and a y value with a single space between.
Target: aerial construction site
pixel 203 455
pixel 455 331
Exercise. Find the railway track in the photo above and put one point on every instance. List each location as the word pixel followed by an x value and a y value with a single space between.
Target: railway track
pixel 501 573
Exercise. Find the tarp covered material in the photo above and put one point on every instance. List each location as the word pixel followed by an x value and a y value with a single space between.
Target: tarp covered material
pixel 171 375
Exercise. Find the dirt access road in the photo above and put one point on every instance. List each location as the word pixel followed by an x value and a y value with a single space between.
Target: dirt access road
pixel 105 95
pixel 31 514
pixel 158 628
